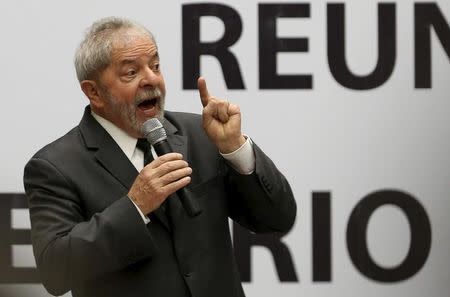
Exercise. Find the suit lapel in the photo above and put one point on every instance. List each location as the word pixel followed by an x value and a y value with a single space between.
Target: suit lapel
pixel 177 142
pixel 107 151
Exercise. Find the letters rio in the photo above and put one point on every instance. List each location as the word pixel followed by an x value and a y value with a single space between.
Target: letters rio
pixel 415 259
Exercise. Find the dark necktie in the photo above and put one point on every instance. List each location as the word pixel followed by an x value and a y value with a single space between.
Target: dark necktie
pixel 145 146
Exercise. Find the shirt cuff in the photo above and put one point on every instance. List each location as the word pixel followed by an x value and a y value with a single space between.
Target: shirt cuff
pixel 144 217
pixel 243 159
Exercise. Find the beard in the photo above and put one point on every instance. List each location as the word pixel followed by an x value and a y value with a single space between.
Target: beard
pixel 127 112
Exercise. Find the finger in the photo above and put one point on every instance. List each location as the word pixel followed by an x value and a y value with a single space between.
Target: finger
pixel 165 158
pixel 233 109
pixel 168 167
pixel 203 91
pixel 222 111
pixel 175 175
pixel 211 109
pixel 175 186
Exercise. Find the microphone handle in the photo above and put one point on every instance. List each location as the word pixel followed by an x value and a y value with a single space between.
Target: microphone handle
pixel 189 204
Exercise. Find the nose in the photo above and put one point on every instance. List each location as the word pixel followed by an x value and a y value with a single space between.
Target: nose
pixel 149 78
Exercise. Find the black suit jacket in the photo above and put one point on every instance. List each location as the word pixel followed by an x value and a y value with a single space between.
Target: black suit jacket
pixel 89 238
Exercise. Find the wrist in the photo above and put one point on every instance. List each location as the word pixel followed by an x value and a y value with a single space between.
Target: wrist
pixel 143 215
pixel 230 146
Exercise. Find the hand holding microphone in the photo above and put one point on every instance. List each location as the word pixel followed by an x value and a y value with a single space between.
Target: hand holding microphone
pixel 156 135
pixel 167 174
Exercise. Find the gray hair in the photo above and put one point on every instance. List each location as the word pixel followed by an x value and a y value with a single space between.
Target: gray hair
pixel 94 53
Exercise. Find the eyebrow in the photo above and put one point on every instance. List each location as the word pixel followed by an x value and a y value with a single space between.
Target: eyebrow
pixel 131 61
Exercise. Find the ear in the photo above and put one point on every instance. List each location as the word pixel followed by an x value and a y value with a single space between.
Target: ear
pixel 92 91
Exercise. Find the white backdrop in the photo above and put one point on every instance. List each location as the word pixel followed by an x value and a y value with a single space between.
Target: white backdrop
pixel 326 139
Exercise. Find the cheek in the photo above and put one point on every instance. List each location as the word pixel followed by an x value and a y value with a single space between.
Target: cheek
pixel 126 94
pixel 162 86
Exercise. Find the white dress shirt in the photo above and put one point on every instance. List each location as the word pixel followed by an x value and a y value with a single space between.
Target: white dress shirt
pixel 242 159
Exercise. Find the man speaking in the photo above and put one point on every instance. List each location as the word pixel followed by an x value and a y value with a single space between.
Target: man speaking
pixel 106 218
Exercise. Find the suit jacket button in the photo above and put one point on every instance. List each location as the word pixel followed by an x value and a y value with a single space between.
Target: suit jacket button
pixel 187 274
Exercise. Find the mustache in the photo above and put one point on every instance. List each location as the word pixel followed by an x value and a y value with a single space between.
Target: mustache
pixel 147 95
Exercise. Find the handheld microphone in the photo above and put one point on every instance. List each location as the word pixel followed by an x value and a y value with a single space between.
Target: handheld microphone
pixel 156 135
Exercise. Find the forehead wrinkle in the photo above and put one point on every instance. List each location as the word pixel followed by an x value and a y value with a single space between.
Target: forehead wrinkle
pixel 131 55
pixel 129 45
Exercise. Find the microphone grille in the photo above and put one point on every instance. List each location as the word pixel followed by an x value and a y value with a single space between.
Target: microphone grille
pixel 154 131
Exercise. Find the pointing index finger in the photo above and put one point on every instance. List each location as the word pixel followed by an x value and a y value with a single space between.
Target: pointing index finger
pixel 203 91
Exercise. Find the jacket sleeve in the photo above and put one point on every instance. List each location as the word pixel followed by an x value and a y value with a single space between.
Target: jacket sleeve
pixel 262 201
pixel 67 247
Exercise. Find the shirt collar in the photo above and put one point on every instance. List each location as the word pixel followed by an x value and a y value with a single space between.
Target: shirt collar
pixel 126 142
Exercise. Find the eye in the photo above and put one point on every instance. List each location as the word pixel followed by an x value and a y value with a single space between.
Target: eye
pixel 156 67
pixel 131 72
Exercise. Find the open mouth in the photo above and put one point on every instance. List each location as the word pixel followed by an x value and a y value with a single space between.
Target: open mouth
pixel 148 104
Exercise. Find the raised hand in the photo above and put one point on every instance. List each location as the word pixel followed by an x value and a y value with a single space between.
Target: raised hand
pixel 221 120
